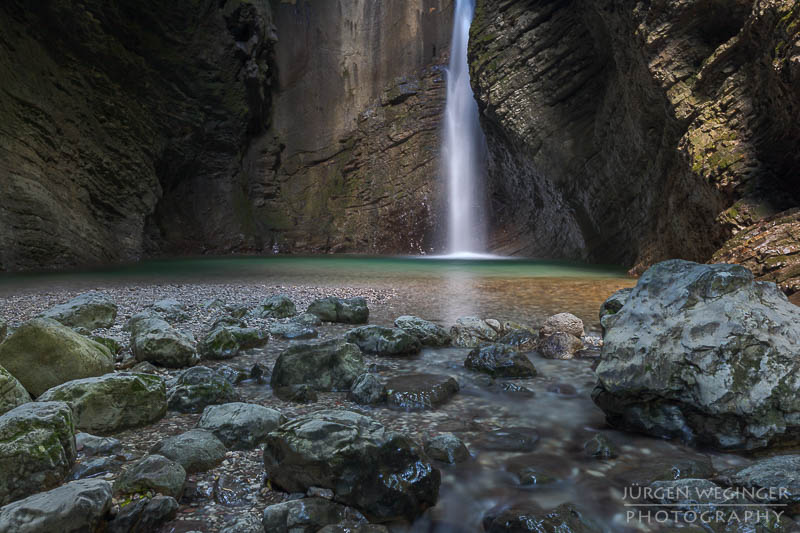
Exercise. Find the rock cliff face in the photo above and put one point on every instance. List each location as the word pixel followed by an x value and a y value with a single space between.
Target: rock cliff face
pixel 630 132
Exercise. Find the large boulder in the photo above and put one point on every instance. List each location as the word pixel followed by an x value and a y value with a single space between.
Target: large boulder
pixel 501 361
pixel 113 402
pixel 348 311
pixel 240 426
pixel 77 507
pixel 278 306
pixel 382 474
pixel 471 332
pixel 152 473
pixel 12 393
pixel 326 366
pixel 704 353
pixel 43 353
pixel 154 340
pixel 91 311
pixel 37 448
pixel 379 340
pixel 196 450
pixel 198 387
pixel 227 341
pixel 428 333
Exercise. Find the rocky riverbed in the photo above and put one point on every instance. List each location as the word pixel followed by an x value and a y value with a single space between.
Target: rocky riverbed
pixel 249 408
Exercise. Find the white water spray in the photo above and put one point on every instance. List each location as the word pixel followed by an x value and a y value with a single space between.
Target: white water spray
pixel 463 146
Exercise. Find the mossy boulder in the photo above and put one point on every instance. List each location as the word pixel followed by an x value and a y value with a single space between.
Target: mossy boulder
pixel 500 361
pixel 348 311
pixel 196 450
pixel 326 366
pixel 428 333
pixel 43 353
pixel 153 473
pixel 12 393
pixel 37 448
pixel 227 341
pixel 91 311
pixel 278 306
pixel 155 340
pixel 380 340
pixel 470 332
pixel 112 402
pixel 240 426
pixel 198 387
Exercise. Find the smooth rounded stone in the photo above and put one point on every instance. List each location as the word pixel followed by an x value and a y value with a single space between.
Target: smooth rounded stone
pixel 382 474
pixel 113 402
pixel 512 439
pixel 152 473
pixel 379 340
pixel 231 491
pixel 94 467
pixel 240 426
pixel 562 323
pixel 471 332
pixel 368 389
pixel 197 450
pixel 560 345
pixel 144 515
pixel 331 365
pixel 171 309
pixel 522 340
pixel 563 389
pixel 308 320
pixel 225 341
pixel 781 471
pixel 729 341
pixel 428 333
pixel 307 515
pixel 293 331
pixel 12 393
pixel 565 518
pixel 76 507
pixel 348 311
pixel 278 306
pixel 92 310
pixel 37 448
pixel 196 388
pixel 447 448
pixel 357 528
pixel 43 353
pixel 90 445
pixel 416 392
pixel 500 361
pixel 243 523
pixel 154 340
pixel 600 447
pixel 301 393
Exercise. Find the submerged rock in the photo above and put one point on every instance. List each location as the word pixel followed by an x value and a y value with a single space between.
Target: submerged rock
pixel 196 450
pixel 112 402
pixel 154 340
pixel 566 517
pixel 152 473
pixel 278 306
pixel 382 474
pixel 513 439
pixel 326 366
pixel 447 448
pixel 562 323
pixel 471 332
pixel 428 333
pixel 37 448
pixel 43 353
pixel 92 310
pixel 560 345
pixel 379 340
pixel 198 387
pixel 308 515
pixel 240 426
pixel 368 389
pixel 12 393
pixel 348 311
pixel 599 447
pixel 500 361
pixel 704 353
pixel 416 392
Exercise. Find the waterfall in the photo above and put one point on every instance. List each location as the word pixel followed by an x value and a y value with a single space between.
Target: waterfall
pixel 464 146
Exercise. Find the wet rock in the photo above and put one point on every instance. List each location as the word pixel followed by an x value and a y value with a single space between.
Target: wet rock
pixel 779 472
pixel 428 333
pixel 113 402
pixel 43 353
pixel 144 515
pixel 77 506
pixel 297 393
pixel 500 360
pixel 515 390
pixel 240 426
pixel 90 445
pixel 230 491
pixel 92 310
pixel 198 387
pixel 326 366
pixel 197 450
pixel 416 392
pixel 522 340
pixel 563 389
pixel 348 311
pixel 93 467
pixel 379 340
pixel 565 517
pixel 562 323
pixel 278 306
pixel 357 528
pixel 715 331
pixel 152 473
pixel 471 332
pixel 308 515
pixel 387 476
pixel 560 345
pixel 447 448
pixel 243 523
pixel 37 448
pixel 12 393
pixel 665 469
pixel 530 476
pixel 293 331
pixel 308 320
pixel 600 447
pixel 154 340
pixel 171 309
pixel 513 439
pixel 368 389
pixel 226 341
